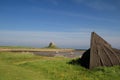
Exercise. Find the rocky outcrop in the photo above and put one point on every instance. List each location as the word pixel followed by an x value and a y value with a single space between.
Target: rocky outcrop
pixel 52 45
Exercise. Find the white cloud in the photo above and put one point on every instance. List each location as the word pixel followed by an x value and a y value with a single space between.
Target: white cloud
pixel 54 2
pixel 74 14
pixel 101 5
pixel 79 39
pixel 35 38
pixel 97 4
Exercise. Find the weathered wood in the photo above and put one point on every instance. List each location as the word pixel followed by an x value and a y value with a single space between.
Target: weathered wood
pixel 100 53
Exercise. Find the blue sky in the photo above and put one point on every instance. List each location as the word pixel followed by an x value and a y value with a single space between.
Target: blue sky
pixel 68 23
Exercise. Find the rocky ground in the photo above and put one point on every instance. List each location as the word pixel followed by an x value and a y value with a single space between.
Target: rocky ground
pixel 72 54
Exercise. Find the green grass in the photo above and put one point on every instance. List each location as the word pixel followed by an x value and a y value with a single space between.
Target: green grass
pixel 26 66
pixel 15 47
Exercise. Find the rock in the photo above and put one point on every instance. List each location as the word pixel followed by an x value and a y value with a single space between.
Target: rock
pixel 51 45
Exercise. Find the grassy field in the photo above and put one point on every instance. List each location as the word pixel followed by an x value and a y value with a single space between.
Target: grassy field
pixel 31 49
pixel 26 66
pixel 15 47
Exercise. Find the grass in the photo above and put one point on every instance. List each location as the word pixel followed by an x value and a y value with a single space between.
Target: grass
pixel 26 66
pixel 29 49
pixel 15 47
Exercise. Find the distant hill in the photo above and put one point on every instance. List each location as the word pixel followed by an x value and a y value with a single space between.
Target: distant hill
pixel 52 46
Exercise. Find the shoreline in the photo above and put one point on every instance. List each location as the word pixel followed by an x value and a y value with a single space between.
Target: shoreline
pixel 35 50
pixel 70 53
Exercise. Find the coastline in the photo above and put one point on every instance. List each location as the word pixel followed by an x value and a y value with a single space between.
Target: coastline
pixel 35 50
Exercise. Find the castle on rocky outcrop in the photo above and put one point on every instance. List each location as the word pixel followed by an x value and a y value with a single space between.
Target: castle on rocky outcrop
pixel 52 45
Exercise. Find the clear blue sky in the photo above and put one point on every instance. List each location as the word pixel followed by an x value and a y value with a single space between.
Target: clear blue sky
pixel 68 23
